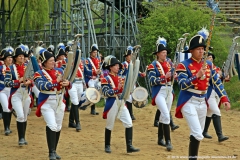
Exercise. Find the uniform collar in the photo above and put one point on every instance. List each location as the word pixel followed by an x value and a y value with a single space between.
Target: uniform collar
pixel 18 64
pixel 47 69
pixel 112 74
pixel 198 61
pixel 93 57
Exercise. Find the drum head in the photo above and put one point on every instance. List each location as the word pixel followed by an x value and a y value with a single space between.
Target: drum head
pixel 140 94
pixel 93 95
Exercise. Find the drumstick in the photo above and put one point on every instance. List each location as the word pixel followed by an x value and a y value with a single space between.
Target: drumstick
pixel 146 69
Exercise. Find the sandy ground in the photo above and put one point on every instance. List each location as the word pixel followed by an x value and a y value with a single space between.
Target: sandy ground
pixel 89 142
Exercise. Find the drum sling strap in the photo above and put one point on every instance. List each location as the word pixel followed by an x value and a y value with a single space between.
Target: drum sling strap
pixel 55 89
pixel 168 91
pixel 24 93
pixel 119 102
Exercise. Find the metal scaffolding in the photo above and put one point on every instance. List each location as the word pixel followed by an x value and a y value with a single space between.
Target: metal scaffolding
pixel 111 24
pixel 113 27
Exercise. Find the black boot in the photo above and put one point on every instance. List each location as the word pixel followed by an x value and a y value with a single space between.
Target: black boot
pixel 24 131
pixel 14 113
pixel 93 112
pixel 76 117
pixel 107 140
pixel 57 139
pixel 129 107
pixel 1 111
pixel 193 148
pixel 218 128
pixel 36 102
pixel 20 128
pixel 156 120
pixel 67 104
pixel 205 131
pixel 160 135
pixel 128 136
pixel 51 141
pixel 71 123
pixel 166 131
pixel 6 122
pixel 173 126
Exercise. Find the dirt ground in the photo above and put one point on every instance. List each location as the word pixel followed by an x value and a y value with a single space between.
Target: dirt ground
pixel 89 142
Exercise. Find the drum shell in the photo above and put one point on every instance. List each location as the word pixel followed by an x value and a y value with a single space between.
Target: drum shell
pixel 139 97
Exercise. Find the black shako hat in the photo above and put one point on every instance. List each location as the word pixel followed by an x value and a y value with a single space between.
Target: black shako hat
pixel 19 51
pixel 94 48
pixel 211 54
pixel 44 55
pixel 198 40
pixel 161 45
pixel 129 51
pixel 111 61
pixel 6 52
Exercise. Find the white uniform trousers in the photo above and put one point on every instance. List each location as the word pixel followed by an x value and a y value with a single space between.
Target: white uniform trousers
pixel 93 82
pixel 21 104
pixel 75 92
pixel 163 101
pixel 195 111
pixel 130 96
pixel 50 115
pixel 125 117
pixel 213 105
pixel 4 95
pixel 35 91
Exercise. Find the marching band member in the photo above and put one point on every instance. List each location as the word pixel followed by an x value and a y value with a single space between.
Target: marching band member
pixel 112 87
pixel 1 63
pixel 192 97
pixel 61 56
pixel 49 81
pixel 75 94
pixel 159 74
pixel 157 114
pixel 124 71
pixel 19 95
pixel 213 112
pixel 71 109
pixel 51 49
pixel 92 71
pixel 6 55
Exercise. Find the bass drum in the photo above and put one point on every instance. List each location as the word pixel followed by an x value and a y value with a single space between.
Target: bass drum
pixel 140 97
pixel 89 97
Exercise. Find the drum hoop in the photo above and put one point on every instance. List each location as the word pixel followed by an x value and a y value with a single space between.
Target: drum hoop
pixel 142 88
pixel 98 95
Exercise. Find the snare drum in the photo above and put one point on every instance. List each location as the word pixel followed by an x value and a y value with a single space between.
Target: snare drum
pixel 139 97
pixel 89 97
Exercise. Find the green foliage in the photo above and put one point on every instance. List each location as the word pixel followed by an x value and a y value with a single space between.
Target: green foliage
pixel 171 22
pixel 233 88
pixel 33 18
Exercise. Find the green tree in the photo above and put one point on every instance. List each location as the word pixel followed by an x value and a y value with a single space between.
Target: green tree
pixel 28 16
pixel 171 20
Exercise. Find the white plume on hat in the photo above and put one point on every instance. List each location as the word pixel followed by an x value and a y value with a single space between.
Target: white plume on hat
pixel 70 43
pixel 204 33
pixel 108 59
pixel 162 41
pixel 9 49
pixel 39 50
pixel 52 47
pixel 61 45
